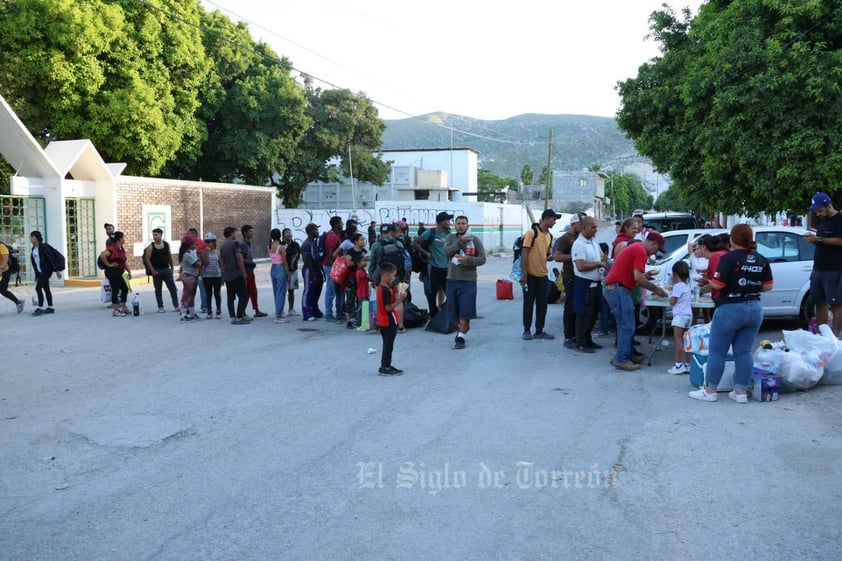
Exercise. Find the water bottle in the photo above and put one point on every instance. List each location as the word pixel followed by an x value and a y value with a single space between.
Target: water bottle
pixel 136 304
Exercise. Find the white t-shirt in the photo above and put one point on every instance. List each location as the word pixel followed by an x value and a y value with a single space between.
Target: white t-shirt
pixel 37 257
pixel 682 294
pixel 697 264
pixel 586 250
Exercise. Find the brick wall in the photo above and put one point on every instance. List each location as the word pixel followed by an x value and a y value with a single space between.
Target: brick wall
pixel 224 205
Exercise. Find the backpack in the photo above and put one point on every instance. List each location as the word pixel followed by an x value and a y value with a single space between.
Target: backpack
pixel 517 247
pixel 418 263
pixel 56 259
pixel 319 252
pixel 14 263
pixel 393 253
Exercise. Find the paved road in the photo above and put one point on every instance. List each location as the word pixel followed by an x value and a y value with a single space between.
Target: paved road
pixel 146 439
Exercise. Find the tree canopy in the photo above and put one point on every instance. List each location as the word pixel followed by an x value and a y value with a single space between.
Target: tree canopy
pixel 742 107
pixel 339 121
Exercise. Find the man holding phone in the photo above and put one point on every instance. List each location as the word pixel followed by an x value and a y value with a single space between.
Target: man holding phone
pixel 826 278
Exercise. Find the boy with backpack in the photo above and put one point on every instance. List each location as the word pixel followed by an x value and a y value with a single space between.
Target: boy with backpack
pixel 8 265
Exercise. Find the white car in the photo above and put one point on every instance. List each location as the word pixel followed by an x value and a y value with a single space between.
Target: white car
pixel 788 252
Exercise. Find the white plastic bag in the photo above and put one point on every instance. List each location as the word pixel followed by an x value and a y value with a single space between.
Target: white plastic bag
pixel 833 368
pixel 105 292
pixel 810 344
pixel 799 371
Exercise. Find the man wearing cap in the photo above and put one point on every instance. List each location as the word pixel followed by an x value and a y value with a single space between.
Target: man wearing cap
pixel 431 246
pixel 157 258
pixel 312 275
pixel 334 296
pixel 389 249
pixel 534 256
pixel 626 273
pixel 562 252
pixel 826 278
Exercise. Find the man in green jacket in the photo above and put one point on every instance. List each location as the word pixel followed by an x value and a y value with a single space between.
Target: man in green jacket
pixel 464 253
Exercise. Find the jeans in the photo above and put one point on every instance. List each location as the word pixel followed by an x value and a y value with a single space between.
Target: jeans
pixel 203 294
pixel 163 277
pixel 569 314
pixel 279 288
pixel 734 325
pixel 333 301
pixel 213 290
pixel 620 300
pixel 536 291
pixel 310 295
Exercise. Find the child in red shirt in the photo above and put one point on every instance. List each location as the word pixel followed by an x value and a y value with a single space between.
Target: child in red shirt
pixel 387 317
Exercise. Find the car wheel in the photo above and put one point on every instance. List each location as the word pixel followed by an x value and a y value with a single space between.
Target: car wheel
pixel 647 321
pixel 808 309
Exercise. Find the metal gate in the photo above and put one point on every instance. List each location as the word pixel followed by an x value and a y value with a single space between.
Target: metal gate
pixel 18 217
pixel 81 242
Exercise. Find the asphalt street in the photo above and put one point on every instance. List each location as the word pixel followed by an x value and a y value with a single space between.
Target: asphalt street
pixel 144 438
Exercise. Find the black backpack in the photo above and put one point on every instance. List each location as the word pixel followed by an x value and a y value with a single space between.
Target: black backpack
pixel 392 252
pixel 517 247
pixel 14 262
pixel 319 252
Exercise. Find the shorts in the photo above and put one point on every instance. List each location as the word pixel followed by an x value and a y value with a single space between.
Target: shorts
pixel 684 322
pixel 292 282
pixel 826 287
pixel 461 299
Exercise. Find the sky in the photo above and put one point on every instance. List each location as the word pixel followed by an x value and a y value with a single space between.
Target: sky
pixel 487 60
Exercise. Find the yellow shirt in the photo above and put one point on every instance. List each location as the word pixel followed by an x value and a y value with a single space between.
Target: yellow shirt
pixel 4 251
pixel 539 250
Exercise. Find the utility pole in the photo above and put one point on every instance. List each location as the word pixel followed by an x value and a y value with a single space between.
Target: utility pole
pixel 549 172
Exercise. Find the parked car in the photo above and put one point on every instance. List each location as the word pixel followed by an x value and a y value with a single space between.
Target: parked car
pixel 789 254
pixel 668 221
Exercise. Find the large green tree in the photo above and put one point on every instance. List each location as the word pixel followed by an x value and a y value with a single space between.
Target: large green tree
pixel 340 120
pixel 118 72
pixel 252 111
pixel 742 107
pixel 492 187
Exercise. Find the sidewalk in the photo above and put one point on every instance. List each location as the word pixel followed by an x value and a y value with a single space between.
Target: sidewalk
pixel 147 438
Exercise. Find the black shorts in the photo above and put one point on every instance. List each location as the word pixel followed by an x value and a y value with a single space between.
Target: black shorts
pixel 826 287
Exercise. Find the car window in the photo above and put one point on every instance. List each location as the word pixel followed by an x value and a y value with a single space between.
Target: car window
pixel 780 247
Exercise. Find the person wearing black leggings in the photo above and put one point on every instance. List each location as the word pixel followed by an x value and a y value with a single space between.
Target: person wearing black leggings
pixel 44 263
pixel 6 277
pixel 114 259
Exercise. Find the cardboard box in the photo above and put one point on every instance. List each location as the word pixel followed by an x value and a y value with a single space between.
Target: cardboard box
pixel 764 386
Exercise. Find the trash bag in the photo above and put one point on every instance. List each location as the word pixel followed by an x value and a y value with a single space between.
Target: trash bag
pixel 803 366
pixel 833 367
pixel 440 323
pixel 413 316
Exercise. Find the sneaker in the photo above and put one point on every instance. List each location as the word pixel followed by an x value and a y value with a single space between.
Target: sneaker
pixel 677 369
pixel 544 336
pixel 390 371
pixel 280 320
pixel 187 319
pixel 313 318
pixel 218 315
pixel 460 343
pixel 49 311
pixel 246 318
pixel 19 306
pixel 259 314
pixel 39 311
pixel 118 314
pixel 209 316
pixel 569 343
pixel 162 311
pixel 239 321
pixel 586 350
pixel 397 370
pixel 738 397
pixel 124 310
pixel 702 395
pixel 638 358
pixel 592 345
pixel 177 310
pixel 527 336
pixel 687 367
pixel 293 313
pixel 628 366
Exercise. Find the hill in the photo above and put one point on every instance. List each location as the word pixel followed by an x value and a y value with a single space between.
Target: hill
pixel 504 146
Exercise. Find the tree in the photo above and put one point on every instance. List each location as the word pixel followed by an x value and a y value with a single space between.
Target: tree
pixel 340 120
pixel 252 113
pixel 545 176
pixel 629 194
pixel 526 174
pixel 120 73
pixel 742 106
pixel 492 187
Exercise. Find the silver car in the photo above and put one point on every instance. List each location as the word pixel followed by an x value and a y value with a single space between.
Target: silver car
pixel 788 253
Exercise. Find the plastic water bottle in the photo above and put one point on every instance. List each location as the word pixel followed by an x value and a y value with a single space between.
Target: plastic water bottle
pixel 136 304
pixel 470 248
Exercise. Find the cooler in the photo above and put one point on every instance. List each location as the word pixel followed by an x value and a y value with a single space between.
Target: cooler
pixel 697 372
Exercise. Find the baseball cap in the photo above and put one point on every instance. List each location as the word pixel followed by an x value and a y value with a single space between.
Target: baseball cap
pixel 576 218
pixel 188 240
pixel 550 213
pixel 210 237
pixel 819 200
pixel 638 212
pixel 387 227
pixel 443 216
pixel 656 237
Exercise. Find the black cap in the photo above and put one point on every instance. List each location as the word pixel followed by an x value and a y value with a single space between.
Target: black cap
pixel 387 228
pixel 550 213
pixel 443 216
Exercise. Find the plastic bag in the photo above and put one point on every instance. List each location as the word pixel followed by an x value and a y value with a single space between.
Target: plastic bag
pixel 517 269
pixel 801 372
pixel 833 368
pixel 697 339
pixel 809 344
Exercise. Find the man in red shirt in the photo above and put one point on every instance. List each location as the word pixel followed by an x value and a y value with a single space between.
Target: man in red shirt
pixel 626 273
pixel 333 294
